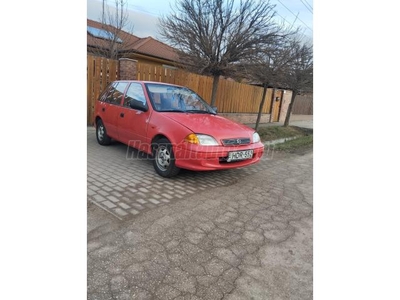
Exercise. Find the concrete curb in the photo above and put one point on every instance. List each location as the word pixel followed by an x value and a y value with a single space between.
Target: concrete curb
pixel 280 141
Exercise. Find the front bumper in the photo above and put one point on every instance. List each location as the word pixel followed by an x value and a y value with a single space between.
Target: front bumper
pixel 204 158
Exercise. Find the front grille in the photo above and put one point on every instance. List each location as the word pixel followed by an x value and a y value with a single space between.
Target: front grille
pixel 236 141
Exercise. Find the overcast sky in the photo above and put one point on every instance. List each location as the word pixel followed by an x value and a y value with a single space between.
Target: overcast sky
pixel 144 14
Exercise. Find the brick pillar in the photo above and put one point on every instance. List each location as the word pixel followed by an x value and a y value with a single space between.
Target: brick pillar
pixel 127 69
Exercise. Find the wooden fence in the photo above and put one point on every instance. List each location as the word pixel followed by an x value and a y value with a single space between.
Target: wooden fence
pixel 100 72
pixel 200 84
pixel 232 97
pixel 303 105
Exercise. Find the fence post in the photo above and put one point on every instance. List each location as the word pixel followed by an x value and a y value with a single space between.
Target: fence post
pixel 127 69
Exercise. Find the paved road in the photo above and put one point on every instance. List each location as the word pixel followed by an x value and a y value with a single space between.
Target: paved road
pixel 242 234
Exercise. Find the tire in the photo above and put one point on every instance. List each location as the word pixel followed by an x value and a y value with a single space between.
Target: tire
pixel 164 158
pixel 101 134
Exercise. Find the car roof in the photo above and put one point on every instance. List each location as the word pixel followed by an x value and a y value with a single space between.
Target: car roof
pixel 147 81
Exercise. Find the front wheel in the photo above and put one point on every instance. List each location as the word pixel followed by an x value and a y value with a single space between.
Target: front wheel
pixel 164 159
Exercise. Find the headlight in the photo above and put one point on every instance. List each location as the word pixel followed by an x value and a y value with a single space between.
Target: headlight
pixel 256 137
pixel 201 139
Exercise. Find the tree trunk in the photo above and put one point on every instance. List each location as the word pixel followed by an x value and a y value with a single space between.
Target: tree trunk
pixel 289 111
pixel 261 106
pixel 214 90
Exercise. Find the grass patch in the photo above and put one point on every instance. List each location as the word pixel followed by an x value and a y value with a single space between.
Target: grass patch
pixel 301 143
pixel 271 133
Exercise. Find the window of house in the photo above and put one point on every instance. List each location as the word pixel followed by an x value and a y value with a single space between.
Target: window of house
pixel 103 34
pixel 170 67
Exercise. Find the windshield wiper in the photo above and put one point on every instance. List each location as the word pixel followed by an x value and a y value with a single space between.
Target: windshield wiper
pixel 199 111
pixel 172 110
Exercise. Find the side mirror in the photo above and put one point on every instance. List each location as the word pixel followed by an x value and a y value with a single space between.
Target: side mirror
pixel 139 105
pixel 214 108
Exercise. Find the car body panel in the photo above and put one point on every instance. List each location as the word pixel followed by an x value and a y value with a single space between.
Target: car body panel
pixel 109 115
pixel 128 125
pixel 220 127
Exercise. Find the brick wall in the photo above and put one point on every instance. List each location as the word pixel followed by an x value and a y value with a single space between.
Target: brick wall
pixel 127 69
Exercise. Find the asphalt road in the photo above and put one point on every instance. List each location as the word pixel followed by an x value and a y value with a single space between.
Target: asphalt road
pixel 238 234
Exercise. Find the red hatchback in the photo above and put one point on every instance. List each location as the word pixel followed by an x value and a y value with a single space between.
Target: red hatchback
pixel 175 126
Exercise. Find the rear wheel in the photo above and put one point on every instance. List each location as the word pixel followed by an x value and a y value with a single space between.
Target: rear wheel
pixel 164 159
pixel 101 134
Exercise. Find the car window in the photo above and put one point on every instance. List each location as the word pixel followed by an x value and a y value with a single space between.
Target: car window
pixel 116 94
pixel 177 99
pixel 106 92
pixel 109 98
pixel 135 91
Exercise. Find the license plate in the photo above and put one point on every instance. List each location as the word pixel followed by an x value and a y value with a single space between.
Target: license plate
pixel 239 155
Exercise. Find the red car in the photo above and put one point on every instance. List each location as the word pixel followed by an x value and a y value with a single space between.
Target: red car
pixel 175 126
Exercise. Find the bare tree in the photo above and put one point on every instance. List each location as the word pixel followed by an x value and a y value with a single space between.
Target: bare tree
pixel 116 36
pixel 269 68
pixel 214 36
pixel 299 77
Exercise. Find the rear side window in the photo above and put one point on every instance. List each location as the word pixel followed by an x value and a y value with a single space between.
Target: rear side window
pixel 116 93
pixel 107 91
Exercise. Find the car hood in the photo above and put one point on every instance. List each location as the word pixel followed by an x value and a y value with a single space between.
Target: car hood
pixel 214 125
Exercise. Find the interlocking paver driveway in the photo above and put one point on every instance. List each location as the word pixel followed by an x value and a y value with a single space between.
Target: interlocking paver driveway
pixel 243 234
pixel 124 183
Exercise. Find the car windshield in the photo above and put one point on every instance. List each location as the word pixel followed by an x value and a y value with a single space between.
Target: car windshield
pixel 169 98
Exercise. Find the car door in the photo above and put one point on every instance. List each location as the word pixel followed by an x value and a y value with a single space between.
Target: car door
pixel 110 108
pixel 132 123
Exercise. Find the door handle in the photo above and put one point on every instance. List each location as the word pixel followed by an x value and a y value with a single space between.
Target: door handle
pixel 122 115
pixel 103 109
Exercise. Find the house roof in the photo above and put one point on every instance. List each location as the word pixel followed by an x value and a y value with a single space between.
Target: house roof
pixel 146 46
pixel 153 47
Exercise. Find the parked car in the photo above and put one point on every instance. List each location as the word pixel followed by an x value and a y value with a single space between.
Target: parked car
pixel 172 124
